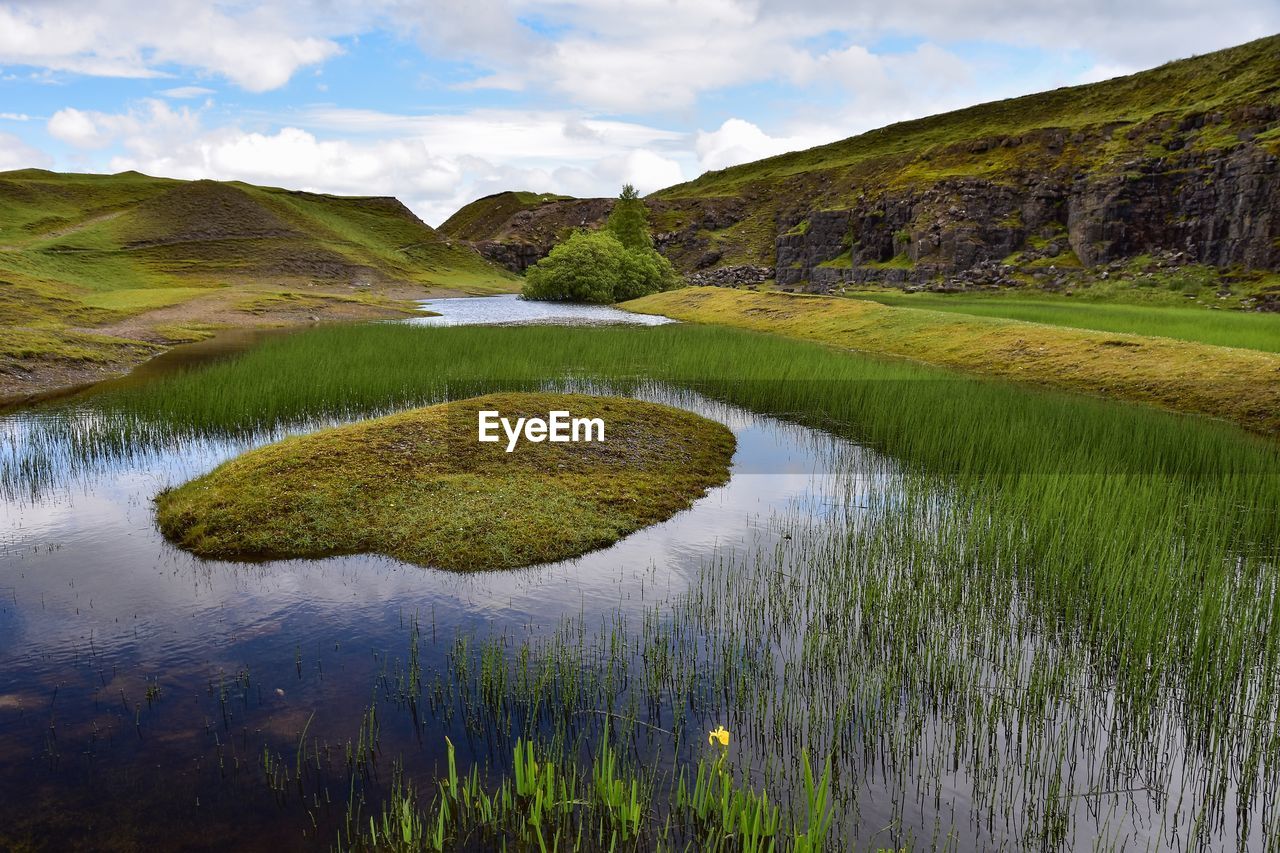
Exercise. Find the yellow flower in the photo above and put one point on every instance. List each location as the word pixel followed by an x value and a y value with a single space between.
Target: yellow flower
pixel 719 734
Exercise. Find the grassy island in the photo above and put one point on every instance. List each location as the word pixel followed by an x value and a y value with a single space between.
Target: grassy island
pixel 420 487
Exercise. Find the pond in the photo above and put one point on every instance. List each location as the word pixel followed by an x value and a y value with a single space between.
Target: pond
pixel 99 611
pixel 822 597
pixel 510 310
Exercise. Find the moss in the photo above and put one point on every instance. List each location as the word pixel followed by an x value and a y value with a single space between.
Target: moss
pixel 1234 384
pixel 898 262
pixel 843 261
pixel 418 486
pixel 1064 259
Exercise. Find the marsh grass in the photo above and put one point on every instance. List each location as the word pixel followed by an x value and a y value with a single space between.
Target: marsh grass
pixel 1064 607
pixel 1233 384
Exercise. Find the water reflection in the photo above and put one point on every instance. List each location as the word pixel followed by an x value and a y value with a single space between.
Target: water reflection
pixel 511 309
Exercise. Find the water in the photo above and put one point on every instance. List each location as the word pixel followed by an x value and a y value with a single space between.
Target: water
pixel 508 310
pixel 140 687
pixel 96 607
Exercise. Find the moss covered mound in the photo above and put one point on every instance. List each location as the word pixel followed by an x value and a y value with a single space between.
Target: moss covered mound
pixel 420 487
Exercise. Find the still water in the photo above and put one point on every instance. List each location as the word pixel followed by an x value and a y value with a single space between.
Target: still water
pixel 139 685
pixel 510 310
pixel 148 698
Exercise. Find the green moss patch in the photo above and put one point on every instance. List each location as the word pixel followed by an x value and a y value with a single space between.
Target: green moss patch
pixel 420 487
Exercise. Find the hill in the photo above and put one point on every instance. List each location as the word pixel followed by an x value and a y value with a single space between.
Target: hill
pixel 1172 167
pixel 100 271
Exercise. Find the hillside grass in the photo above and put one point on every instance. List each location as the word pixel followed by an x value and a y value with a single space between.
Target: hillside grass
pixel 1247 330
pixel 81 254
pixel 1196 85
pixel 419 486
pixel 1235 384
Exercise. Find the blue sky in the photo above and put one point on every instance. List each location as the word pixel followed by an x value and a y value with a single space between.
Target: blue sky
pixel 440 102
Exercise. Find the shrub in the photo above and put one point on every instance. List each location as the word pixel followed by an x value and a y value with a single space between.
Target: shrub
pixel 584 268
pixel 611 265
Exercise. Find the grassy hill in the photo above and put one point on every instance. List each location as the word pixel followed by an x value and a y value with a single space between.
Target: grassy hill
pixel 952 143
pixel 97 271
pixel 1179 158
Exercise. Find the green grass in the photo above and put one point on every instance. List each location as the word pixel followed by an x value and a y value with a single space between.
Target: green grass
pixel 132 300
pixel 1220 328
pixel 89 249
pixel 420 487
pixel 1013 579
pixel 1235 384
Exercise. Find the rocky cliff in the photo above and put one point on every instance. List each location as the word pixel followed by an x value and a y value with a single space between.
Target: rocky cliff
pixel 1181 162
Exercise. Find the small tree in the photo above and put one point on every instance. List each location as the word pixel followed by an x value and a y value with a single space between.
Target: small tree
pixel 629 220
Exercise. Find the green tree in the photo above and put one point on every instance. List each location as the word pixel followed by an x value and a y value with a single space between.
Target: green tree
pixel 643 272
pixel 585 268
pixel 629 220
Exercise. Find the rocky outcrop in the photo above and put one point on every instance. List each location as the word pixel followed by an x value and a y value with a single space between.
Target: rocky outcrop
pixel 525 237
pixel 1218 208
pixel 740 275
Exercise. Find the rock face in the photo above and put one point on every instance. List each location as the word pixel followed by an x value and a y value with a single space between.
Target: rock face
pixel 1220 208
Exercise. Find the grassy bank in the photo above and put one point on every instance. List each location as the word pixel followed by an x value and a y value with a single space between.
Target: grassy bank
pixel 420 487
pixel 1235 384
pixel 1239 329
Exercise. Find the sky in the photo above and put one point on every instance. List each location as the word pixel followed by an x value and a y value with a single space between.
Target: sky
pixel 440 102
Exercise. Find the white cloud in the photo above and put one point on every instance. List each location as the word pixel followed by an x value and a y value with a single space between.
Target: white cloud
pixel 183 92
pixel 435 164
pixel 662 55
pixel 15 154
pixel 14 117
pixel 256 48
pixel 737 141
pixel 150 125
pixel 77 128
